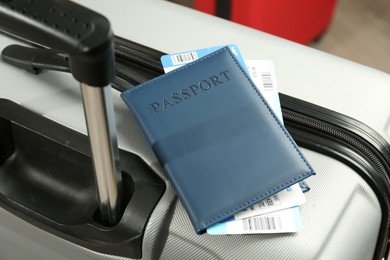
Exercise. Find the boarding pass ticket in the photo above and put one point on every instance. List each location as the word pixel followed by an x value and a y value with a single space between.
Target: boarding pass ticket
pixel 262 73
pixel 282 221
pixel 290 197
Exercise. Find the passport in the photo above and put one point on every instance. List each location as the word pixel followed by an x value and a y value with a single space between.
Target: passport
pixel 219 142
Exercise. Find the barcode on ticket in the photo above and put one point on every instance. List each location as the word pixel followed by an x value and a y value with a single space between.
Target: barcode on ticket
pixel 282 221
pixel 262 223
pixel 267 80
pixel 184 58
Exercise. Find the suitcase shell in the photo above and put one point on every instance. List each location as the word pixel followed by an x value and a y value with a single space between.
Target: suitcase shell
pixel 348 197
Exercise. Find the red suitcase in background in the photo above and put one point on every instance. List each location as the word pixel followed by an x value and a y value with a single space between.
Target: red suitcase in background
pixel 299 21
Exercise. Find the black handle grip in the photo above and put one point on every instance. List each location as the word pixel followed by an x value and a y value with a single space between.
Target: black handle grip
pixel 66 27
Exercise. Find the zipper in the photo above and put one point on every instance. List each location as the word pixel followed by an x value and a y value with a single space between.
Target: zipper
pixel 341 137
pixel 136 53
pixel 340 134
pixel 343 129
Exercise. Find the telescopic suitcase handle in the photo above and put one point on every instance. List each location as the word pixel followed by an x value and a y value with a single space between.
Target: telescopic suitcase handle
pixel 87 38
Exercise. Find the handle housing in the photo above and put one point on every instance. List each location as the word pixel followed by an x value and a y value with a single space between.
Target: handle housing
pixel 68 28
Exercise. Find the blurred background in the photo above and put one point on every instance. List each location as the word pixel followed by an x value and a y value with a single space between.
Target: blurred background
pixel 357 30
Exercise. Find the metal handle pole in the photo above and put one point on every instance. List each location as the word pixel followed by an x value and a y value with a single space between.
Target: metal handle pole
pixel 100 119
pixel 88 42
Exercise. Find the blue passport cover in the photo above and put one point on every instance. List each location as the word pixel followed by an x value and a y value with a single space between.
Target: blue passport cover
pixel 221 146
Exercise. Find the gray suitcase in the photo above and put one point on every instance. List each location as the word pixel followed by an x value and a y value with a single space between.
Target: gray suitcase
pixel 49 204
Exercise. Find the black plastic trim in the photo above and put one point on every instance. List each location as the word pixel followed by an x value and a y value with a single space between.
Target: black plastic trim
pixel 47 180
pixel 349 141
